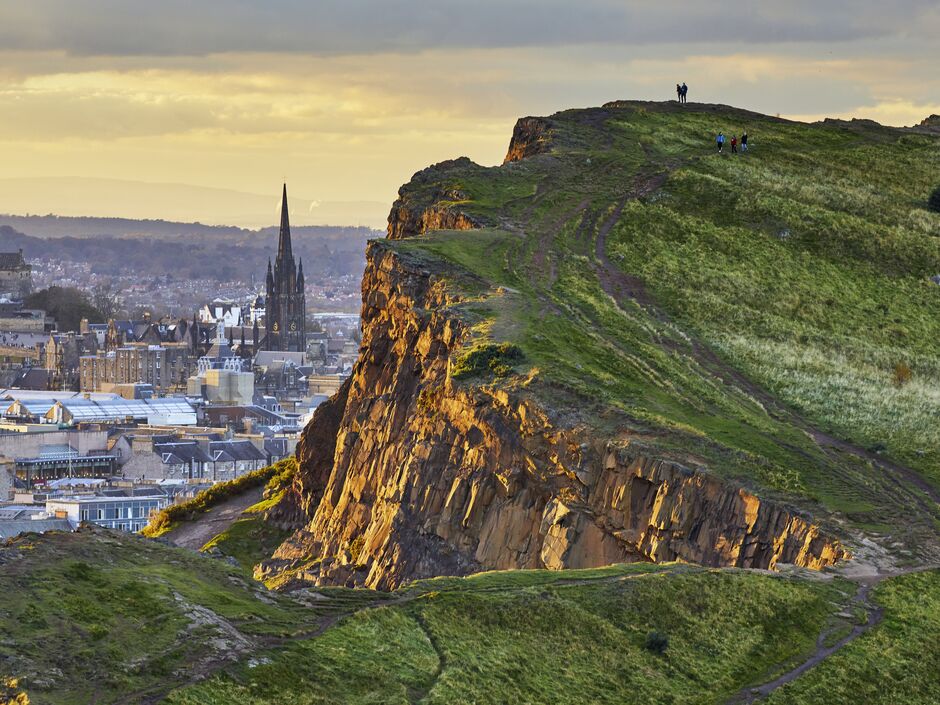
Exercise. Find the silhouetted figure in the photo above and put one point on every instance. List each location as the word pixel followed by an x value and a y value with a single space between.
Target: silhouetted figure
pixel 685 92
pixel 720 141
pixel 678 92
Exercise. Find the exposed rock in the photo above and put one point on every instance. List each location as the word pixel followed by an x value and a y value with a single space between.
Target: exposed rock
pixel 418 210
pixel 424 477
pixel 530 136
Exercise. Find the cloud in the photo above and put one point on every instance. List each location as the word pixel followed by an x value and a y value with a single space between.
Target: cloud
pixel 325 27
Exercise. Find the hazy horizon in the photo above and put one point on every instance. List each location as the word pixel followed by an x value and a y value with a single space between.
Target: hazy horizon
pixel 345 101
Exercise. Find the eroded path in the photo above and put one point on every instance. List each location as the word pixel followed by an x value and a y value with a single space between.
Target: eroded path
pixel 197 533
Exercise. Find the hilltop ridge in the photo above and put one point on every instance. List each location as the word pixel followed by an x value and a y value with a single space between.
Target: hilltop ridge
pixel 612 348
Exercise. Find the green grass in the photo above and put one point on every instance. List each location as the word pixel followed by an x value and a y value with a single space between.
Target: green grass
pixel 100 614
pixel 897 662
pixel 543 637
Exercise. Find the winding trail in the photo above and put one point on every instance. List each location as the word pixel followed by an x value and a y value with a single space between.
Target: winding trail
pixel 873 615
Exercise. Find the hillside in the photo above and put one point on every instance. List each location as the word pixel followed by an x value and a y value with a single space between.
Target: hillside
pixel 644 373
pixel 622 346
pixel 104 617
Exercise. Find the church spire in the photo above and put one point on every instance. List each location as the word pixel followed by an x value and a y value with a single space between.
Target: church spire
pixel 300 276
pixel 283 243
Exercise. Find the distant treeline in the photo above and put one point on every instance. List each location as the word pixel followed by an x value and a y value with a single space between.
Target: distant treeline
pixel 325 251
pixel 55 226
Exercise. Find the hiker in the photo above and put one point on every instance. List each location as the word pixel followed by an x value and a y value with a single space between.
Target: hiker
pixel 744 141
pixel 721 141
pixel 678 92
pixel 685 91
pixel 734 144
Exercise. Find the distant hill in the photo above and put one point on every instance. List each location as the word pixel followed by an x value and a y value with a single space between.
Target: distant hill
pixel 206 252
pixel 55 226
pixel 68 196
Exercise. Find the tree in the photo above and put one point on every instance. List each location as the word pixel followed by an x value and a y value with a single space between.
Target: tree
pixel 933 203
pixel 67 305
pixel 103 298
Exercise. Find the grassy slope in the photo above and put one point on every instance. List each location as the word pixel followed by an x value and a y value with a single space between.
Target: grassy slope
pixel 820 316
pixel 898 662
pixel 541 637
pixel 104 617
pixel 101 614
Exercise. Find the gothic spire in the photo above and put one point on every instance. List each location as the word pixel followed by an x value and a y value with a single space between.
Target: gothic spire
pixel 300 276
pixel 283 243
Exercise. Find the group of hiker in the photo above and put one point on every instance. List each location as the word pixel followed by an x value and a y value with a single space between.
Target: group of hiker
pixel 682 91
pixel 720 141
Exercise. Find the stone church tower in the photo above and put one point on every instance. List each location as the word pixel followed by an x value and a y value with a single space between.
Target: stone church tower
pixel 285 301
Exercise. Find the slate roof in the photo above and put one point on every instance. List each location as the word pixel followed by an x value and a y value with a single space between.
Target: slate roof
pixel 12 261
pixel 235 450
pixel 182 452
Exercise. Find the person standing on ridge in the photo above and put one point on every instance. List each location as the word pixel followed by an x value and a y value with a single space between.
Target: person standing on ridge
pixel 744 141
pixel 685 92
pixel 734 144
pixel 720 141
pixel 678 92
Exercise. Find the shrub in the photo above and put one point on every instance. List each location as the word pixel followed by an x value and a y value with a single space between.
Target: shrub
pixel 355 548
pixel 657 642
pixel 933 203
pixel 275 476
pixel 498 359
pixel 901 374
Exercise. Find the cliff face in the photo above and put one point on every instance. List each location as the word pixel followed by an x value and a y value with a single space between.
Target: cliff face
pixel 407 474
pixel 530 136
pixel 422 205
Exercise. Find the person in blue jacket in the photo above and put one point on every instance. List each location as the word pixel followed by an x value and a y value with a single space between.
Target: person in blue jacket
pixel 720 140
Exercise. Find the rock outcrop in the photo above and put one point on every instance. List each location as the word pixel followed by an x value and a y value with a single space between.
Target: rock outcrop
pixel 422 205
pixel 530 136
pixel 409 474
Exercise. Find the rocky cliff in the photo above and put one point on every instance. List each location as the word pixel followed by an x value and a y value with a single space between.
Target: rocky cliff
pixel 408 473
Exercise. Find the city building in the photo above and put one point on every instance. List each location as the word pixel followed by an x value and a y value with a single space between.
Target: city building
pixel 124 512
pixel 41 456
pixel 221 386
pixel 165 366
pixel 7 478
pixel 16 275
pixel 285 300
pixel 94 409
pixel 61 355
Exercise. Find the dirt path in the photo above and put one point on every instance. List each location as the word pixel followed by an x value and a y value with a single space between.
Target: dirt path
pixel 195 534
pixel 873 617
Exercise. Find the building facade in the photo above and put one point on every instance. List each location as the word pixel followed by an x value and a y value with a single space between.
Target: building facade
pixel 16 275
pixel 166 367
pixel 285 301
pixel 122 513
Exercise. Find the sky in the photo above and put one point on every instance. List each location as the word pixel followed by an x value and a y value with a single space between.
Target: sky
pixel 108 107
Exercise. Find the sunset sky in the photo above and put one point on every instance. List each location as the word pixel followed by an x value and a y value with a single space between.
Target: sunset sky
pixel 345 100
